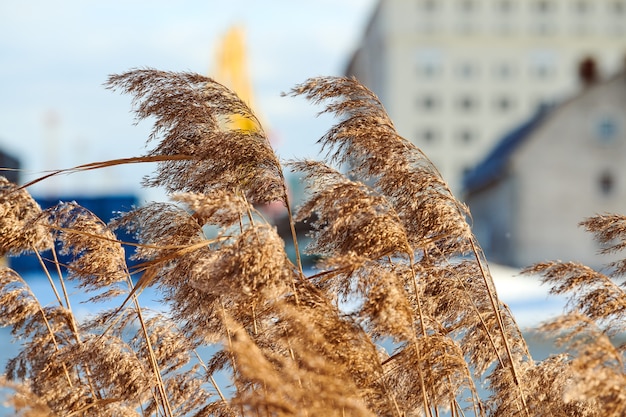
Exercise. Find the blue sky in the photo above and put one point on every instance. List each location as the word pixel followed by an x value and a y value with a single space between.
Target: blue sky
pixel 54 112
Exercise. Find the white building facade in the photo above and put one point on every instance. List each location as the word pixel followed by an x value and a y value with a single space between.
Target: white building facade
pixel 455 75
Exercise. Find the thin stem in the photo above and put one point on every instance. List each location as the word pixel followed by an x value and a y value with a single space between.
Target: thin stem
pixel 45 318
pixel 292 227
pixel 254 321
pixel 72 318
pixel 292 354
pixel 62 282
pixel 151 356
pixel 50 280
pixel 217 389
pixel 423 326
pixel 213 381
pixel 416 292
pixel 494 305
pixel 294 236
pixel 492 297
pixel 481 319
pixel 232 356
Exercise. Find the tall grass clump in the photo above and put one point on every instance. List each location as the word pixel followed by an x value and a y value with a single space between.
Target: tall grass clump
pixel 400 317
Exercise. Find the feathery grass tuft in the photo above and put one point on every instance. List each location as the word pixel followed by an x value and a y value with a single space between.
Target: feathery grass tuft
pixel 399 318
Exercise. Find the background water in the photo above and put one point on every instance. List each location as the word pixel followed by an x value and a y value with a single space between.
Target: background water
pixel 528 301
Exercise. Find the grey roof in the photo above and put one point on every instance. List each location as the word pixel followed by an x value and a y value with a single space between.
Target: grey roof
pixel 493 167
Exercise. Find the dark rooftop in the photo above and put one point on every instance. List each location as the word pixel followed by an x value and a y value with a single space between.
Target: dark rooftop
pixel 493 167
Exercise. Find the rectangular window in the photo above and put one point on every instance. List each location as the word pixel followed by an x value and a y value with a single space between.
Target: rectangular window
pixel 428 102
pixel 505 6
pixel 429 62
pixel 504 71
pixel 503 103
pixel 427 136
pixel 606 130
pixel 466 136
pixel 467 103
pixel 618 7
pixel 428 6
pixel 542 63
pixel 606 183
pixel 468 6
pixel 582 7
pixel 467 70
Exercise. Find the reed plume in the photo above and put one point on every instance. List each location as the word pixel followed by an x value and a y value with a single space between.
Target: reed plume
pixel 18 227
pixel 427 227
pixel 399 318
pixel 192 126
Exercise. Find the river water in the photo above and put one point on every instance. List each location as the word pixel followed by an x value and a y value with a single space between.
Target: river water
pixel 527 300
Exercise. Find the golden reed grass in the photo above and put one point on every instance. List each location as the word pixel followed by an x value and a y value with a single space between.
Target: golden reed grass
pixel 391 238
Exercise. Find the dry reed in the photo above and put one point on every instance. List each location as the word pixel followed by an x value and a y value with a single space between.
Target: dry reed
pixel 424 332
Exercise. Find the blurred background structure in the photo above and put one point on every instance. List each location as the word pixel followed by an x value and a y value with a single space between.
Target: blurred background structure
pixel 456 75
pixel 55 113
pixel 490 90
pixel 520 104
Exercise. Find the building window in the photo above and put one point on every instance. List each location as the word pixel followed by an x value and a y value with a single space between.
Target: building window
pixel 428 136
pixel 504 103
pixel 544 6
pixel 542 63
pixel 503 71
pixel 428 5
pixel 467 27
pixel 606 130
pixel 466 136
pixel 580 29
pixel 428 70
pixel 468 6
pixel 428 103
pixel 618 7
pixel 504 23
pixel 467 103
pixel 582 7
pixel 544 28
pixel 606 183
pixel 504 28
pixel 505 6
pixel 467 70
pixel 429 62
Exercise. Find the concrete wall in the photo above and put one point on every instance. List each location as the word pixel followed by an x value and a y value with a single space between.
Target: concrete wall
pixel 494 210
pixel 563 169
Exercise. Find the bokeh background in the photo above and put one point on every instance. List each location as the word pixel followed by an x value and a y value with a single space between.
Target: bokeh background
pixel 56 55
pixel 55 113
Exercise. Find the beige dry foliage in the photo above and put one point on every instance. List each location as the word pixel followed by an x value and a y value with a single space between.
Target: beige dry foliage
pixel 97 256
pixel 191 114
pixel 19 228
pixel 23 401
pixel 610 231
pixel 592 324
pixel 400 318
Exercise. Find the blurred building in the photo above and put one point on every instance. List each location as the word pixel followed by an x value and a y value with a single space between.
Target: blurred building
pixel 565 163
pixel 455 75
